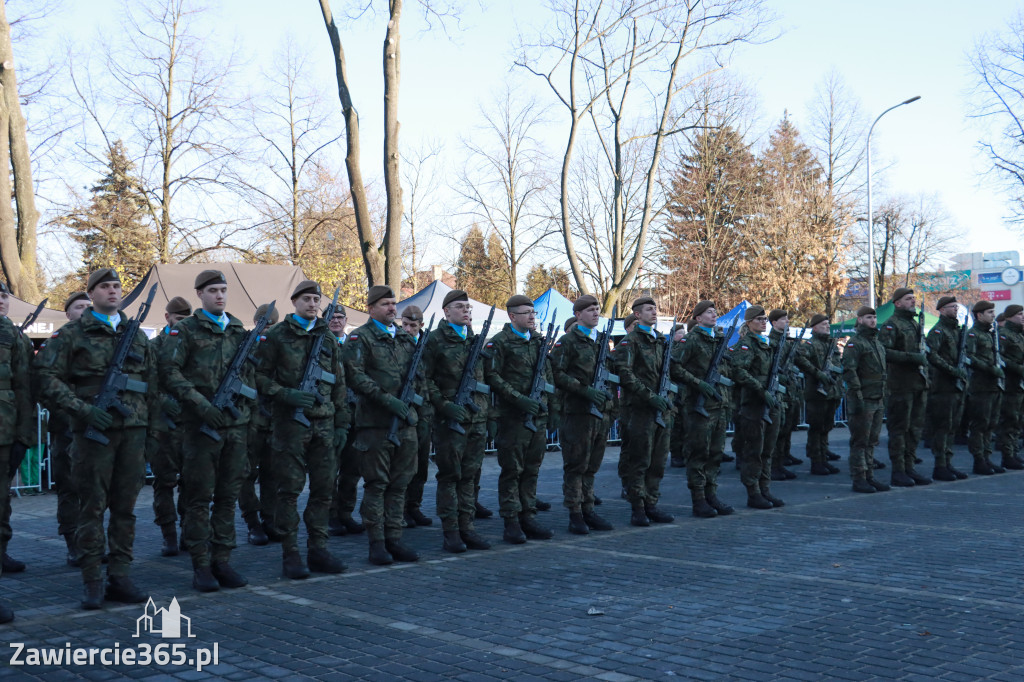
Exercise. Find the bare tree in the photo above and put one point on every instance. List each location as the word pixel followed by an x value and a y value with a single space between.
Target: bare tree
pixel 422 177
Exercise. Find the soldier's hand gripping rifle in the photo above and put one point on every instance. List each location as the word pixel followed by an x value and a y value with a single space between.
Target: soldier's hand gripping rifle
pixel 408 394
pixel 537 384
pixel 33 317
pixel 468 385
pixel 602 377
pixel 826 364
pixel 313 375
pixel 713 376
pixel 922 346
pixel 962 361
pixel 997 352
pixel 115 380
pixel 775 387
pixel 665 385
pixel 231 384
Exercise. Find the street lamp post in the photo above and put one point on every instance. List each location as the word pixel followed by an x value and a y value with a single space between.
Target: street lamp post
pixel 871 222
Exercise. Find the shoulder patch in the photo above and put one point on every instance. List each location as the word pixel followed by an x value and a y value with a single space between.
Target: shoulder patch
pixel 490 344
pixel 888 326
pixel 353 336
pixel 557 344
pixel 623 342
pixel 970 333
pixel 173 332
pixel 745 347
pixel 55 334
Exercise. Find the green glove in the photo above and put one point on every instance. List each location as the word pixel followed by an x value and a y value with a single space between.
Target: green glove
pixel 97 418
pixel 456 412
pixel 998 372
pixel 770 400
pixel 396 406
pixel 823 377
pixel 492 429
pixel 527 405
pixel 171 407
pixel 211 415
pixel 340 439
pixel 293 397
pixel 960 372
pixel 708 390
pixel 595 396
pixel 659 403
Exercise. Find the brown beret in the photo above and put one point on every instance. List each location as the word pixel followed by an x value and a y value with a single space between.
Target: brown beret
pixel 452 296
pixel 643 300
pixel 569 323
pixel 584 302
pixel 262 310
pixel 77 296
pixel 1000 318
pixel 518 300
pixel 982 306
pixel 208 277
pixel 412 313
pixel 630 319
pixel 901 292
pixel 101 276
pixel 777 314
pixel 177 306
pixel 944 301
pixel 865 310
pixel 752 312
pixel 306 287
pixel 815 319
pixel 378 292
pixel 1012 310
pixel 701 307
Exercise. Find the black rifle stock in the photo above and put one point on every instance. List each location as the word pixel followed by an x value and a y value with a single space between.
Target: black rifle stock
pixel 713 376
pixel 537 384
pixel 313 374
pixel 602 377
pixel 231 384
pixel 665 385
pixel 998 357
pixel 408 394
pixel 962 361
pixel 922 347
pixel 468 385
pixel 826 363
pixel 34 316
pixel 115 380
pixel 775 387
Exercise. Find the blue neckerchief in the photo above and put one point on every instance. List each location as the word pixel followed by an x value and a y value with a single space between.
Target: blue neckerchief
pixel 111 320
pixel 764 339
pixel 304 323
pixel 460 329
pixel 167 329
pixel 341 339
pixel 221 320
pixel 390 330
pixel 589 332
pixel 522 335
pixel 710 331
pixel 647 329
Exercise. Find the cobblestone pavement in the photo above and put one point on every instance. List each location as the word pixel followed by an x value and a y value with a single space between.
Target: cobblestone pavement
pixel 912 584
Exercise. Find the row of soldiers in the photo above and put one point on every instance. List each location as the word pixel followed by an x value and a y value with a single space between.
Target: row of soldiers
pixel 359 420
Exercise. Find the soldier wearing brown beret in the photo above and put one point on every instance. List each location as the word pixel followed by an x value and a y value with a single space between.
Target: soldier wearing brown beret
pixel 1011 346
pixel 947 391
pixel 986 387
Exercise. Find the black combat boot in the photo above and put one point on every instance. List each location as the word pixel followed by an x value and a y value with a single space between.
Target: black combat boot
pixel 791 461
pixel 271 532
pixel 227 576
pixel 474 540
pixel 120 588
pixel 93 596
pixel 983 467
pixel 832 469
pixel 534 530
pixel 6 614
pixel 833 457
pixel 595 522
pixel 819 469
pixel 483 512
pixel 543 506
pixel 766 493
pixel 917 478
pixel 878 465
pixel 577 526
pixel 726 457
pixel 755 500
pixel 320 560
pixel 74 558
pixel 352 526
pixel 721 507
pixel 336 528
pixel 292 566
pixel 379 555
pixel 941 473
pixel 995 467
pixel 639 515
pixel 257 536
pixel 861 485
pixel 703 510
pixel 901 480
pixel 513 531
pixel 598 501
pixel 419 517
pixel 960 476
pixel 453 542
pixel 400 552
pixel 11 565
pixel 1011 462
pixel 878 485
pixel 203 580
pixel 656 515
pixel 677 462
pixel 408 521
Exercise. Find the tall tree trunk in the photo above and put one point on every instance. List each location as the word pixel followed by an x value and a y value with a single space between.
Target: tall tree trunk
pixel 392 181
pixel 20 234
pixel 373 260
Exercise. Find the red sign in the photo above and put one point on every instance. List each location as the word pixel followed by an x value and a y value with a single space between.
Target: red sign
pixel 997 295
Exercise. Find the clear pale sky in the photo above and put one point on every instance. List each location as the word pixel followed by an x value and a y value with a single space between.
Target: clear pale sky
pixel 886 51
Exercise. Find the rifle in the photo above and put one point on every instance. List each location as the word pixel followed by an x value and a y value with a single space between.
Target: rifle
pixel 601 374
pixel 665 385
pixel 231 385
pixel 922 347
pixel 713 376
pixel 468 385
pixel 32 318
pixel 115 380
pixel 408 394
pixel 538 385
pixel 997 352
pixel 775 386
pixel 826 363
pixel 962 361
pixel 314 374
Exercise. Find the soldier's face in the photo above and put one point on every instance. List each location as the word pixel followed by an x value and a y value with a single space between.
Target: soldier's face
pixel 412 327
pixel 459 312
pixel 589 316
pixel 647 314
pixel 708 318
pixel 1018 318
pixel 523 318
pixel 214 298
pixel 631 327
pixel 869 321
pixel 781 324
pixel 758 324
pixel 986 316
pixel 5 304
pixel 76 309
pixel 948 310
pixel 821 327
pixel 174 318
pixel 384 311
pixel 307 306
pixel 337 323
pixel 106 297
pixel 908 302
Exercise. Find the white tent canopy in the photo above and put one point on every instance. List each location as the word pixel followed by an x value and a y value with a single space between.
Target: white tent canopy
pixel 430 298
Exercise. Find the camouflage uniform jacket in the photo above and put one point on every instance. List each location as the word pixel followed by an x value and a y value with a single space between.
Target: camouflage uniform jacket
pixel 573 362
pixel 695 352
pixel 899 336
pixel 1011 340
pixel 810 358
pixel 196 356
pixel 444 360
pixel 16 406
pixel 943 349
pixel 864 365
pixel 981 351
pixel 788 374
pixel 74 361
pixel 751 361
pixel 376 364
pixel 282 358
pixel 509 370
pixel 638 359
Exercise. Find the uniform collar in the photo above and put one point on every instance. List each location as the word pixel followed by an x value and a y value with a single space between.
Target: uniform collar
pixel 459 329
pixel 389 330
pixel 590 333
pixel 710 331
pixel 112 321
pixel 523 335
pixel 221 320
pixel 302 323
pixel 647 329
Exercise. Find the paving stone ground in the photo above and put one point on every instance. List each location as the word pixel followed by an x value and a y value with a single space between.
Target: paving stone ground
pixel 916 584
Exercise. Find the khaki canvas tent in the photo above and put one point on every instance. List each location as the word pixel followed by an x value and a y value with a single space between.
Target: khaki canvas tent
pixel 46 324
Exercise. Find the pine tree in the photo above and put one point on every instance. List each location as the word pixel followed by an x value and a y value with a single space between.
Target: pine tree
pixel 541 278
pixel 482 268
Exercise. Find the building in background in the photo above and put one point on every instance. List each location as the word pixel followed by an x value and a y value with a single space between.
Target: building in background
pixel 996 276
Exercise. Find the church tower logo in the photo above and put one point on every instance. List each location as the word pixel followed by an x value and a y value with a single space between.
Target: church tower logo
pixel 164 622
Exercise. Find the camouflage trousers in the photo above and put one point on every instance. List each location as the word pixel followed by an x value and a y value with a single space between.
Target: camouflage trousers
pixel 387 470
pixel 459 457
pixel 165 461
pixel 414 493
pixel 704 449
pixel 644 453
pixel 757 442
pixel 790 418
pixel 300 451
pixel 982 412
pixel 865 422
pixel 1008 438
pixel 821 419
pixel 678 444
pixel 944 411
pixel 5 480
pixel 623 440
pixel 346 490
pixel 904 424
pixel 583 439
pixel 67 496
pixel 520 455
pixel 261 470
pixel 108 477
pixel 212 473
